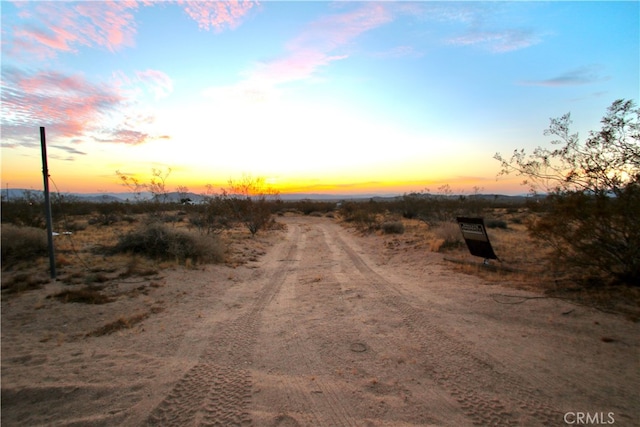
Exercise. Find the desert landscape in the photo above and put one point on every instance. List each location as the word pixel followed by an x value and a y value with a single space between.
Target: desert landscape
pixel 319 213
pixel 315 323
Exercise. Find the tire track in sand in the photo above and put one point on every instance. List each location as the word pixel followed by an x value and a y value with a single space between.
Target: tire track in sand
pixel 486 396
pixel 216 391
pixel 306 393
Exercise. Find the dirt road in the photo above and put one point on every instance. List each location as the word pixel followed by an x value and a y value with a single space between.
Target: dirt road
pixel 326 331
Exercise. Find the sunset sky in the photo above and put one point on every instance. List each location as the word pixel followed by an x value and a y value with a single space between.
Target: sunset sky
pixel 316 97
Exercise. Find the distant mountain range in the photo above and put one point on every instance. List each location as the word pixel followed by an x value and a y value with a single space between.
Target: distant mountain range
pixel 17 193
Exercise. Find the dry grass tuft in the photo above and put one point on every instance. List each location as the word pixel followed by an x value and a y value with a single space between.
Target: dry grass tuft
pixel 86 295
pixel 123 322
pixel 119 324
pixel 23 281
pixel 446 235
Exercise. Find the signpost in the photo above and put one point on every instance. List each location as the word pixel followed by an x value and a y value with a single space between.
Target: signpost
pixel 475 235
pixel 47 203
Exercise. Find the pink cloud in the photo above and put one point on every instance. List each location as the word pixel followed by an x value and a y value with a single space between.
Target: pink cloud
pixel 217 14
pixel 337 30
pixel 70 107
pixel 69 103
pixel 315 47
pixel 297 66
pixel 51 27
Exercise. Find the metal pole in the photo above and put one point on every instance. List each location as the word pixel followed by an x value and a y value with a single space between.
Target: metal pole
pixel 47 204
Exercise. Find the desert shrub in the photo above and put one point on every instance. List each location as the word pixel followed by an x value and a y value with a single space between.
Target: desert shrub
pixel 393 227
pixel 307 207
pixel 104 219
pixel 74 226
pixel 446 235
pixel 366 216
pixel 434 208
pixel 28 212
pixel 252 202
pixel 496 223
pixel 411 205
pixel 22 243
pixel 156 240
pixel 365 220
pixel 596 236
pixel 590 216
pixel 212 216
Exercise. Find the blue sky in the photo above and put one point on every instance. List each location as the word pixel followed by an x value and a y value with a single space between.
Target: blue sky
pixel 350 97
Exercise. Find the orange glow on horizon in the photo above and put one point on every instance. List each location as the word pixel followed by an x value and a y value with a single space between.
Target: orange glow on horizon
pixel 286 187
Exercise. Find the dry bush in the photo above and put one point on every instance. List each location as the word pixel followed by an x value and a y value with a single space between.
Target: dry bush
pixel 157 241
pixel 393 227
pixel 590 215
pixel 496 223
pixel 446 235
pixel 22 243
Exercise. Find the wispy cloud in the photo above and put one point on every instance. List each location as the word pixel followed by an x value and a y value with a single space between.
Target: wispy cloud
pixel 480 25
pixel 579 76
pixel 498 41
pixel 398 52
pixel 156 81
pixel 68 149
pixel 322 42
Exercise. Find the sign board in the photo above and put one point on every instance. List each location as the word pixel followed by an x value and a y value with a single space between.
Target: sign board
pixel 475 235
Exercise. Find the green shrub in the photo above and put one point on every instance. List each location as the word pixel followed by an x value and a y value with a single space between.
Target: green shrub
pixel 22 243
pixel 157 241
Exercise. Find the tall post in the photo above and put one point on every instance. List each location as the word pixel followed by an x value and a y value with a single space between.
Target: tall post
pixel 47 204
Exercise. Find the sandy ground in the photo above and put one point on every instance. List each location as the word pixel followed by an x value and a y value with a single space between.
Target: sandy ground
pixel 327 328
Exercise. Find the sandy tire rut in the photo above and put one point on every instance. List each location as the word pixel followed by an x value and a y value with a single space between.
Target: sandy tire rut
pixel 339 367
pixel 487 396
pixel 217 390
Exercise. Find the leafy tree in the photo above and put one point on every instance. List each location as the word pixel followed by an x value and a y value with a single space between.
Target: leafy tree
pixel 593 194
